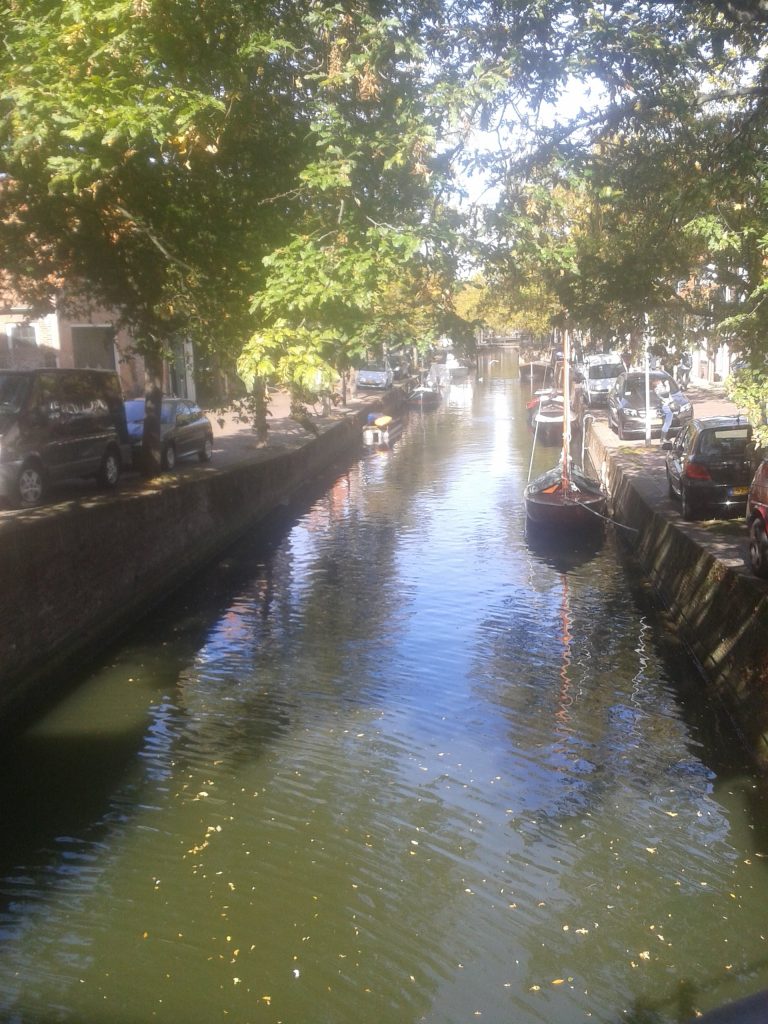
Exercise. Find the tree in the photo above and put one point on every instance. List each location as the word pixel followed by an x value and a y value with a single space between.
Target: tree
pixel 150 152
pixel 371 261
pixel 664 169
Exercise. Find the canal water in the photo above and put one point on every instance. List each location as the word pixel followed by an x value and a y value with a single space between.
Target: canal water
pixel 388 761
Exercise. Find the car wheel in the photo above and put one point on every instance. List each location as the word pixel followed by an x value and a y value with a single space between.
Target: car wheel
pixel 206 452
pixel 620 429
pixel 30 485
pixel 670 489
pixel 109 473
pixel 169 456
pixel 758 548
pixel 689 509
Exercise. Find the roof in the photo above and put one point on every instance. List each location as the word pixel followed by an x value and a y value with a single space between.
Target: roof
pixel 720 422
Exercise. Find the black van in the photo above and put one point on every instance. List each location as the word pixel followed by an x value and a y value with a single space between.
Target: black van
pixel 59 424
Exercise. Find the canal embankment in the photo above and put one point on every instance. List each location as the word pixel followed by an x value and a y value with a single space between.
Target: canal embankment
pixel 699 570
pixel 79 572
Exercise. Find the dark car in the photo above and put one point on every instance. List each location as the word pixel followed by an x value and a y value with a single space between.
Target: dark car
pixel 58 424
pixel 184 430
pixel 626 403
pixel 757 520
pixel 709 466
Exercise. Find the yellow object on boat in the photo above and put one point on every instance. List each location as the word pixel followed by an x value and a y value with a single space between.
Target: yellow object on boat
pixel 382 421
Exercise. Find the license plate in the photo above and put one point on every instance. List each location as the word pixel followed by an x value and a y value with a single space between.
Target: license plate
pixel 737 492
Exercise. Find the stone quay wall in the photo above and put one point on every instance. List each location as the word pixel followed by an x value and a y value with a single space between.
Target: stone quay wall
pixel 76 575
pixel 717 607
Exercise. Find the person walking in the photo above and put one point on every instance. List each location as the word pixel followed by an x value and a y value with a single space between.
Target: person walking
pixel 683 370
pixel 664 396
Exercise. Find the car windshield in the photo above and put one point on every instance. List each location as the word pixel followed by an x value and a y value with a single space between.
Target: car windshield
pixel 375 369
pixel 636 384
pixel 605 371
pixel 725 441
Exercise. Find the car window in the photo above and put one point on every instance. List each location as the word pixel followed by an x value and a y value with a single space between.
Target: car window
pixel 733 441
pixel 168 412
pixel 685 439
pixel 13 391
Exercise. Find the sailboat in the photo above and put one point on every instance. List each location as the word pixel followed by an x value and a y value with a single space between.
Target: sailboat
pixel 565 497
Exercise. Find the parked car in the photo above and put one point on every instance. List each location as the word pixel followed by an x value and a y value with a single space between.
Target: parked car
pixel 757 520
pixel 184 430
pixel 598 375
pixel 56 425
pixel 376 375
pixel 709 466
pixel 626 403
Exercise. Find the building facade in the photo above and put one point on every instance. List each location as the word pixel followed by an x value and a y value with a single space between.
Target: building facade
pixel 91 341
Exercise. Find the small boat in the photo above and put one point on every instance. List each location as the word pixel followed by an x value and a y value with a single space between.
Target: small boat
pixel 575 501
pixel 425 396
pixel 546 411
pixel 381 430
pixel 457 371
pixel 565 498
pixel 452 371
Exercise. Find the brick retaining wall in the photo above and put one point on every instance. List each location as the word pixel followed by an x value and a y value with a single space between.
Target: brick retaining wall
pixel 719 610
pixel 75 577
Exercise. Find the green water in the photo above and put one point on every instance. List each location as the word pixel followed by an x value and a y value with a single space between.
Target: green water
pixel 388 762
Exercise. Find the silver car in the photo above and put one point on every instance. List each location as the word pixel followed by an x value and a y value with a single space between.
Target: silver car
pixel 626 404
pixel 377 375
pixel 600 374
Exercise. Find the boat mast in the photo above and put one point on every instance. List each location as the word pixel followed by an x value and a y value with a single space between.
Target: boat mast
pixel 566 454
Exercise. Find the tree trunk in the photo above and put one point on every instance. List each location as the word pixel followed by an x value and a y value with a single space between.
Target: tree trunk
pixel 260 404
pixel 151 449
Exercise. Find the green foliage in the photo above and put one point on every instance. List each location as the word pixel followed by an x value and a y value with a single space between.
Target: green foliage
pixel 647 206
pixel 371 260
pixel 749 390
pixel 143 143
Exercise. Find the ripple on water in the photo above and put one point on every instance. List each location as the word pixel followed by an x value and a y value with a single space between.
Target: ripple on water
pixel 398 763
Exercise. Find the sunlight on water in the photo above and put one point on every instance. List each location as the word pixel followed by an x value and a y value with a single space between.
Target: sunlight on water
pixel 387 762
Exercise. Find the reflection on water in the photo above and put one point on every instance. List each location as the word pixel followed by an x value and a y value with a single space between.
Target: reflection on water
pixel 390 762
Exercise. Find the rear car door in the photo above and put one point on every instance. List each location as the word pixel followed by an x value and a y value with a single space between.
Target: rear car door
pixel 186 441
pixel 680 452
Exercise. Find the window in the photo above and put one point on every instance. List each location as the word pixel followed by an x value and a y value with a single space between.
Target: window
pixel 94 348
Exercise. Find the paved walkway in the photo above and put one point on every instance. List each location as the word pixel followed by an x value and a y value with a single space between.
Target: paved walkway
pixel 235 440
pixel 726 539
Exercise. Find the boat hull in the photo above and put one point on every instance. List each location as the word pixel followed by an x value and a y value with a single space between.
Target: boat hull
pixel 578 505
pixel 424 398
pixel 579 512
pixel 381 432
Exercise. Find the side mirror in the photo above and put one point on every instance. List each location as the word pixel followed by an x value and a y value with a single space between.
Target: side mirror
pixel 667 446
